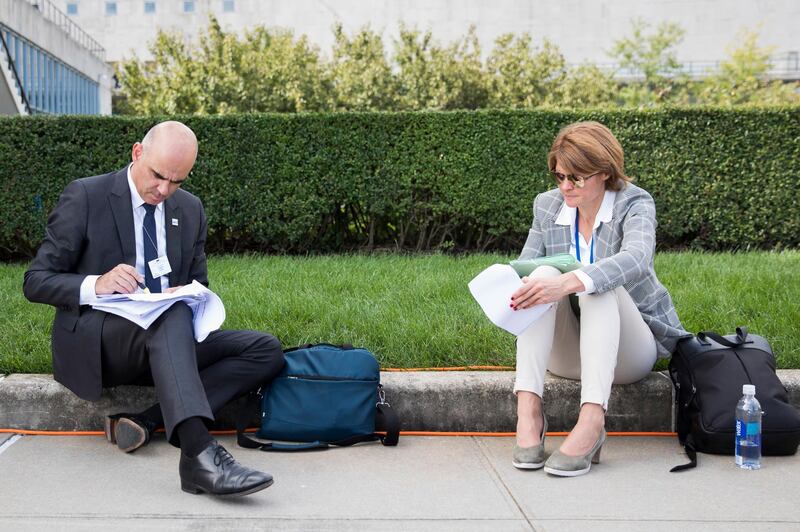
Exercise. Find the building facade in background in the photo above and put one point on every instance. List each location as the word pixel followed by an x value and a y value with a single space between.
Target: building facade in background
pixel 49 65
pixel 55 54
pixel 584 30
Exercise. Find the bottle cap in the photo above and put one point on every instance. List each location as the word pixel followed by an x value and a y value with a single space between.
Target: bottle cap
pixel 749 389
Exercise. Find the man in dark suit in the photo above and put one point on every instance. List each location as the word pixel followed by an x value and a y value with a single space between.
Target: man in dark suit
pixel 111 233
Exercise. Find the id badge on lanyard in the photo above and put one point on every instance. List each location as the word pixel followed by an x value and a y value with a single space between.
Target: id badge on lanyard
pixel 159 267
pixel 578 243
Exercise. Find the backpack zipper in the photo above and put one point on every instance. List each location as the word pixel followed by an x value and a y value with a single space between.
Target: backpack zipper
pixel 326 378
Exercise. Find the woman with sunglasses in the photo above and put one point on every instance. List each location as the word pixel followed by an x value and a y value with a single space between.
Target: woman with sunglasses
pixel 624 318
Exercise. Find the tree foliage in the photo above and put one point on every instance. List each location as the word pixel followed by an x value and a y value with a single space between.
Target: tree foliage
pixel 742 80
pixel 431 76
pixel 360 74
pixel 268 70
pixel 264 70
pixel 652 57
pixel 586 86
pixel 522 75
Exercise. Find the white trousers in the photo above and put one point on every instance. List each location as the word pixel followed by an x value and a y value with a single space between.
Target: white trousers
pixel 611 343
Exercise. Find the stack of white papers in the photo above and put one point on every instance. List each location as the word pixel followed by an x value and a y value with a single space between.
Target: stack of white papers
pixel 492 289
pixel 143 309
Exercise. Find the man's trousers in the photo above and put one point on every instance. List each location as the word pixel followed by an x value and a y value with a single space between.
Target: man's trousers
pixel 191 379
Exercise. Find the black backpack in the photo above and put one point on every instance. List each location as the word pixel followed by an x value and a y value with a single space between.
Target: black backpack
pixel 708 372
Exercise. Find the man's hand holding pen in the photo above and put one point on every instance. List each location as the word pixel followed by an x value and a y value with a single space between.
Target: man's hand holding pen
pixel 122 279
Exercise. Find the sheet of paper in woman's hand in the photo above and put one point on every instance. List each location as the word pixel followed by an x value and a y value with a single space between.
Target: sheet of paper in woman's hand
pixel 492 289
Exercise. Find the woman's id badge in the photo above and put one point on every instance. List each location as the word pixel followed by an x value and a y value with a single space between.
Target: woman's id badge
pixel 159 267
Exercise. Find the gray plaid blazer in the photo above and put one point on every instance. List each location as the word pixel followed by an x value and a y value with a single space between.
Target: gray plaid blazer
pixel 624 250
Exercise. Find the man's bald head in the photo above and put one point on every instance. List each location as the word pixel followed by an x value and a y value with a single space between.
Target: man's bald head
pixel 175 135
pixel 163 160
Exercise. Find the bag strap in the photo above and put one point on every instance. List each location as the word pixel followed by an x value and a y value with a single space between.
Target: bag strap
pixel 388 420
pixel 691 452
pixel 682 424
pixel 741 337
pixel 281 447
pixel 243 418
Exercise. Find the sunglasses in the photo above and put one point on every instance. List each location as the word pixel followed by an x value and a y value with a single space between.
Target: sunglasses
pixel 578 181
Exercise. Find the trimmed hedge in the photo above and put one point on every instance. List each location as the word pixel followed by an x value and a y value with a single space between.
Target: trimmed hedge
pixel 722 179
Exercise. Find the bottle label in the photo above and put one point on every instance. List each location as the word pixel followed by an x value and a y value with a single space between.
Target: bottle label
pixel 748 441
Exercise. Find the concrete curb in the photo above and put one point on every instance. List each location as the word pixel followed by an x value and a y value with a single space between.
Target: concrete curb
pixel 484 402
pixel 425 401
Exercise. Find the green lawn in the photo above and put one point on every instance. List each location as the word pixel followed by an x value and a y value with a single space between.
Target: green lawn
pixel 415 311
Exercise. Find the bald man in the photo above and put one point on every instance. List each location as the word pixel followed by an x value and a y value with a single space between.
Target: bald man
pixel 108 234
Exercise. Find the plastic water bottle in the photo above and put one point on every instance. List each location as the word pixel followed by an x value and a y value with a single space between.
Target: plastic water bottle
pixel 748 429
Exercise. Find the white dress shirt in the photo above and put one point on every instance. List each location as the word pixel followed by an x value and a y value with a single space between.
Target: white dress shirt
pixel 137 203
pixel 567 217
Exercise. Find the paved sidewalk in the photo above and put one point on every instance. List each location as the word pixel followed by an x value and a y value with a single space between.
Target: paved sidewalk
pixel 426 483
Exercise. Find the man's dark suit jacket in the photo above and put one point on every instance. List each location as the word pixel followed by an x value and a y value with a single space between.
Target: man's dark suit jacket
pixel 88 233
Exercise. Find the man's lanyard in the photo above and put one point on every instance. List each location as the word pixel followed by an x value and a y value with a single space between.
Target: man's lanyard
pixel 578 243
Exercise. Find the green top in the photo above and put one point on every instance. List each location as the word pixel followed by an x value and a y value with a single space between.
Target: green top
pixel 563 262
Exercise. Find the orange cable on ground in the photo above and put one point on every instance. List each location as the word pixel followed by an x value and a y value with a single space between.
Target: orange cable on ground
pixel 402 433
pixel 509 434
pixel 52 432
pixel 27 432
pixel 455 368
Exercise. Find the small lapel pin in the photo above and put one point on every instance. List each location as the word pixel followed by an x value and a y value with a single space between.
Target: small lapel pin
pixel 175 222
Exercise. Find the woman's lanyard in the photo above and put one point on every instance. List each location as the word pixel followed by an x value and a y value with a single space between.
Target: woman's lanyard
pixel 578 243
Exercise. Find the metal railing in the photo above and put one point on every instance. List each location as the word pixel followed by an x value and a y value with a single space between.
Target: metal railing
pixel 20 86
pixel 62 20
pixel 48 84
pixel 785 66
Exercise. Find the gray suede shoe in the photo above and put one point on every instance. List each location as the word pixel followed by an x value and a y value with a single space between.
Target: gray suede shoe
pixel 562 465
pixel 530 457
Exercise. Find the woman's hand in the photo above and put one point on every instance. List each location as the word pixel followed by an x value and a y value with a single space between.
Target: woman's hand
pixel 544 290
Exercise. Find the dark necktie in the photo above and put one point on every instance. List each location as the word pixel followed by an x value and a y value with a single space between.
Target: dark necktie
pixel 150 240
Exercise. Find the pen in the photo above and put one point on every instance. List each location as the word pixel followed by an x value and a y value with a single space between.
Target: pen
pixel 143 287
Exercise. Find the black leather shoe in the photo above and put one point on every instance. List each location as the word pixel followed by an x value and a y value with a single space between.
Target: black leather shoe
pixel 214 471
pixel 128 431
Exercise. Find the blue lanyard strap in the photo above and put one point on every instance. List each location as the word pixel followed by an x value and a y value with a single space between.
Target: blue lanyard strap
pixel 578 243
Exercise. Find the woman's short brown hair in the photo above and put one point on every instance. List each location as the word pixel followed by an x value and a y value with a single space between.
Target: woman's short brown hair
pixel 586 148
